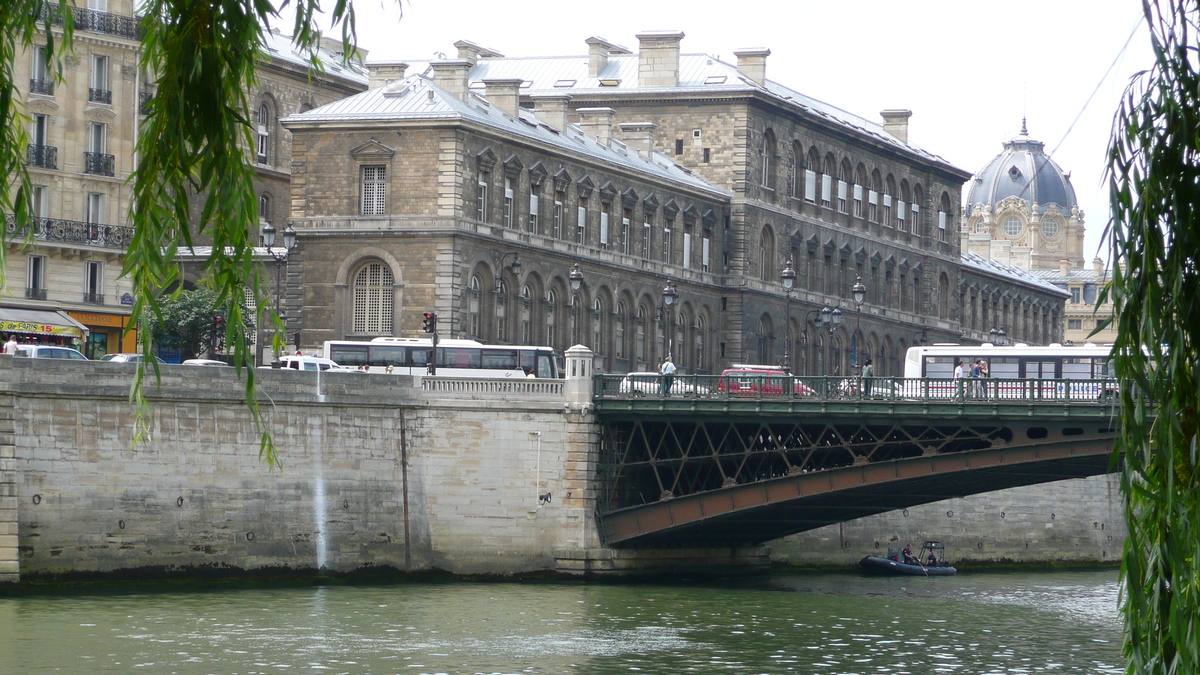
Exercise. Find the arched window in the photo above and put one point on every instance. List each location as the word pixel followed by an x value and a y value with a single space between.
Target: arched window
pixel 501 312
pixel 474 327
pixel 701 362
pixel 943 299
pixel 526 315
pixel 766 255
pixel 767 157
pixel 263 136
pixel 373 293
pixel 264 207
pixel 766 345
pixel 619 331
pixel 598 327
pixel 551 316
pixel 835 356
pixel 639 341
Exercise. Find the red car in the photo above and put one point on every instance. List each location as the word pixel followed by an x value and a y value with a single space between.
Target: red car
pixel 759 381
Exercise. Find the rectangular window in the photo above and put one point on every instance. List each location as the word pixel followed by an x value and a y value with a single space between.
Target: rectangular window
pixel 873 206
pixel 508 202
pixel 687 250
pixel 707 155
pixel 39 131
pixel 1099 323
pixel 810 186
pixel 533 210
pixel 1075 293
pixel 98 138
pixel 679 146
pixel 93 282
pixel 626 239
pixel 35 275
pixel 39 75
pixel 942 225
pixel 646 225
pixel 39 201
pixel 858 195
pixel 826 189
pixel 666 251
pixel 914 223
pixel 481 194
pixel 842 197
pixel 581 222
pixel 1074 324
pixel 95 208
pixel 900 217
pixel 99 73
pixel 603 228
pixel 705 254
pixel 557 216
pixel 887 211
pixel 374 191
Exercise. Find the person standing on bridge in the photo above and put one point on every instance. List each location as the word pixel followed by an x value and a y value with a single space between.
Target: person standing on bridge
pixel 667 369
pixel 958 376
pixel 867 373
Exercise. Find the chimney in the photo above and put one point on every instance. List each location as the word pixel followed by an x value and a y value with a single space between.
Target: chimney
pixel 1064 267
pixel 753 64
pixel 469 51
pixel 597 123
pixel 895 122
pixel 1098 267
pixel 552 109
pixel 599 50
pixel 385 72
pixel 640 137
pixel 505 94
pixel 451 75
pixel 658 58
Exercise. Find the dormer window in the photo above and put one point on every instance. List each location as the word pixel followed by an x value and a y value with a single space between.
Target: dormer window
pixel 1014 173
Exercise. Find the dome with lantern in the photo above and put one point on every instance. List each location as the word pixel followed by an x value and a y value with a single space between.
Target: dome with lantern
pixel 1021 209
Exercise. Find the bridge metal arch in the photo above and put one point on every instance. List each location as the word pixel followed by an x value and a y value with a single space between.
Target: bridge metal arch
pixel 717 489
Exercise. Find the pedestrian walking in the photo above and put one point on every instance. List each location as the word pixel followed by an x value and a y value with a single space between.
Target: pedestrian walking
pixel 667 370
pixel 10 347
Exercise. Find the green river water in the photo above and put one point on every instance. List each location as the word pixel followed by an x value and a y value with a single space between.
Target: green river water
pixel 1001 623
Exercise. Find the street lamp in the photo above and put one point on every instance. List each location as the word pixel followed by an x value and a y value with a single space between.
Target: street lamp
pixel 788 277
pixel 515 267
pixel 920 337
pixel 859 291
pixel 576 277
pixel 825 318
pixel 997 336
pixel 280 255
pixel 669 295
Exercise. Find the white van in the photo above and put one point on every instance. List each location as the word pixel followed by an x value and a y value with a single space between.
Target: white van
pixel 305 363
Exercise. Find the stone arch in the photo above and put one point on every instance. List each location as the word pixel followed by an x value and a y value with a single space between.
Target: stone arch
pixel 764 333
pixel 343 294
pixel 766 254
pixel 530 320
pixel 601 326
pixel 556 305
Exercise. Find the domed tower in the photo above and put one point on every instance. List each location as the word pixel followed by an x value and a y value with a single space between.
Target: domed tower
pixel 1021 210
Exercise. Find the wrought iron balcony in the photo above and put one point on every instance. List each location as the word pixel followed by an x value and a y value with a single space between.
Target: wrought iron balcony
pixel 35 294
pixel 41 87
pixel 71 232
pixel 93 298
pixel 100 95
pixel 97 22
pixel 99 163
pixel 42 156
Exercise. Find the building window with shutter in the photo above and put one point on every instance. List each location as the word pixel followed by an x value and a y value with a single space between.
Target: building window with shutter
pixel 557 216
pixel 810 186
pixel 705 252
pixel 842 187
pixel 647 224
pixel 373 292
pixel 666 250
pixel 873 206
pixel 481 196
pixel 508 202
pixel 914 223
pixel 581 222
pixel 374 190
pixel 534 226
pixel 604 226
pixel 626 237
pixel 858 200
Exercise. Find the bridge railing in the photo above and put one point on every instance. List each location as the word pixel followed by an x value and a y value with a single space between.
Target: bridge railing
pixel 475 385
pixel 785 387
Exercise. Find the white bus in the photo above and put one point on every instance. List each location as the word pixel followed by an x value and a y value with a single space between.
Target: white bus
pixel 455 358
pixel 1088 363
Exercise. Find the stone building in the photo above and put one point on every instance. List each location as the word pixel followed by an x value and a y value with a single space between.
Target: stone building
pixel 1022 212
pixel 83 131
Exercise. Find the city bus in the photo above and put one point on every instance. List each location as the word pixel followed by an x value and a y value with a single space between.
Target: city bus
pixel 455 358
pixel 1089 364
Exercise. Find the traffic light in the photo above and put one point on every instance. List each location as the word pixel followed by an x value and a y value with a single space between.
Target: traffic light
pixel 430 322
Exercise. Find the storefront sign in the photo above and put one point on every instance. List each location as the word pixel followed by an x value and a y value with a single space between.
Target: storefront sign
pixel 39 328
pixel 112 320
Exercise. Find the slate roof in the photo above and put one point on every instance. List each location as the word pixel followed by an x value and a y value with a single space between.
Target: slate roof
pixel 1085 275
pixel 1016 274
pixel 417 98
pixel 280 47
pixel 1025 171
pixel 698 73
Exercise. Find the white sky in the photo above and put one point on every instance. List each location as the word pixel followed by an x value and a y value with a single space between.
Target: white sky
pixel 968 70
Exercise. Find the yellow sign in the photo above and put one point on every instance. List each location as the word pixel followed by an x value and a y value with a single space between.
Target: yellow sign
pixel 39 328
pixel 113 320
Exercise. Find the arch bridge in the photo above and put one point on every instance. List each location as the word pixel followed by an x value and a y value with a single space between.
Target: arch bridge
pixel 725 463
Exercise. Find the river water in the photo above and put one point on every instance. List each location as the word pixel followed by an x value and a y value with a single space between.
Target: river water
pixel 997 623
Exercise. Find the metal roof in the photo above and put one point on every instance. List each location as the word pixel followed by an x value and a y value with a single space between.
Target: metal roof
pixel 1025 171
pixel 1015 274
pixel 698 74
pixel 281 47
pixel 417 98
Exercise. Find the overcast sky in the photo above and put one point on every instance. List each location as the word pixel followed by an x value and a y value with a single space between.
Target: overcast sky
pixel 968 70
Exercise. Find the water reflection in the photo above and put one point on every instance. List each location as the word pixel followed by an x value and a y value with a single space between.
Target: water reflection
pixel 986 624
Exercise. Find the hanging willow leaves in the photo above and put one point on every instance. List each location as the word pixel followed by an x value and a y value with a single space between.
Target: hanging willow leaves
pixel 194 146
pixel 1154 169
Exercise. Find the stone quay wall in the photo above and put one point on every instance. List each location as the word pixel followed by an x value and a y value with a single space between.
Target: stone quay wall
pixel 80 497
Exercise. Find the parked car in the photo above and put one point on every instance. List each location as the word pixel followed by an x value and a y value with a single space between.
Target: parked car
pixel 205 362
pixel 305 363
pixel 751 380
pixel 126 358
pixel 647 383
pixel 50 352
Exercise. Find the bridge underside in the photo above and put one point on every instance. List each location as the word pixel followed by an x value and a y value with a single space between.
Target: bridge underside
pixel 709 483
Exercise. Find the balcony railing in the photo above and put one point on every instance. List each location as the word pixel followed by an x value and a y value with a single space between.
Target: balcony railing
pixel 100 95
pixel 99 163
pixel 72 232
pixel 98 22
pixel 93 298
pixel 41 87
pixel 35 294
pixel 42 156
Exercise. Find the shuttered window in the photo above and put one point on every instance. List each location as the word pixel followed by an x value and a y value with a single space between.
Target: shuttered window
pixel 374 190
pixel 373 291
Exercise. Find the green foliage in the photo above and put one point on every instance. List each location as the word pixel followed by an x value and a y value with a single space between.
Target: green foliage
pixel 1154 168
pixel 189 322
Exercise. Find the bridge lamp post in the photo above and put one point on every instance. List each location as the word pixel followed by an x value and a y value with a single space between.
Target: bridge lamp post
pixel 826 318
pixel 920 337
pixel 576 277
pixel 788 277
pixel 997 336
pixel 515 267
pixel 289 243
pixel 859 291
pixel 669 294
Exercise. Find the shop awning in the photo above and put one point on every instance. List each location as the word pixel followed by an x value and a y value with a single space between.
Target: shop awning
pixel 39 322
